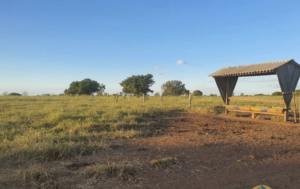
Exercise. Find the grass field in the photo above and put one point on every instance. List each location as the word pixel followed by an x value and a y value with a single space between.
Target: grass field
pixel 42 129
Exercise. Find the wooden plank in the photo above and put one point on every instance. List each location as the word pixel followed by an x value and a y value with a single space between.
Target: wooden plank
pixel 231 110
pixel 256 99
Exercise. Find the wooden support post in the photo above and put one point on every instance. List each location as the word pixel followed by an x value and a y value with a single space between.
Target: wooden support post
pixel 226 102
pixel 285 118
pixel 295 116
pixel 144 98
pixel 286 111
pixel 161 99
pixel 253 115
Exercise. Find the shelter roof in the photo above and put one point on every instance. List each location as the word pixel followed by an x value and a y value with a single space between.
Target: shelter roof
pixel 268 68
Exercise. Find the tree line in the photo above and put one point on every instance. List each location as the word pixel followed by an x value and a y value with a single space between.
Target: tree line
pixel 136 85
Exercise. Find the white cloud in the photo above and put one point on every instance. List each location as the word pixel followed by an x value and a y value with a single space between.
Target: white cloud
pixel 181 62
pixel 158 73
pixel 158 67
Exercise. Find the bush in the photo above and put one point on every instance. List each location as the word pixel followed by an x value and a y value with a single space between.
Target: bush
pixel 197 93
pixel 277 93
pixel 15 94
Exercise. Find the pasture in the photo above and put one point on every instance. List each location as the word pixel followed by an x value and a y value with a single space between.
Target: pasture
pixel 95 142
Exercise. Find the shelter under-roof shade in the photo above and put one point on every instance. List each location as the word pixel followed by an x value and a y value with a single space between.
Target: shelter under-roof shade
pixel 287 71
pixel 268 68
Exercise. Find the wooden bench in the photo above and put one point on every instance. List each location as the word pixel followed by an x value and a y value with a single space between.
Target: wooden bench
pixel 256 110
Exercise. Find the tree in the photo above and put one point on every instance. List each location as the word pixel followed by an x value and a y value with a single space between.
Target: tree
pixel 5 93
pixel 86 86
pixel 242 94
pixel 15 94
pixel 24 93
pixel 277 93
pixel 174 87
pixel 157 94
pixel 197 93
pixel 138 84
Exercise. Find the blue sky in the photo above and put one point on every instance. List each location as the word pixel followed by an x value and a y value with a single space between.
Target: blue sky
pixel 45 45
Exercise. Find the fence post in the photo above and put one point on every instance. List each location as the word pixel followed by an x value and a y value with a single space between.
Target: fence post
pixel 144 98
pixel 190 100
pixel 161 99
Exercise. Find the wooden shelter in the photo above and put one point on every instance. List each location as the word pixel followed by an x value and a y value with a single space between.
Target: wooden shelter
pixel 287 71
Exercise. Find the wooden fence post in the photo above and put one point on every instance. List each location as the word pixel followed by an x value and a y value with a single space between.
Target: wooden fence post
pixel 190 100
pixel 161 99
pixel 144 98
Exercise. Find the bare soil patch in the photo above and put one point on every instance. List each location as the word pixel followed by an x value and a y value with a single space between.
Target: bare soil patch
pixel 213 151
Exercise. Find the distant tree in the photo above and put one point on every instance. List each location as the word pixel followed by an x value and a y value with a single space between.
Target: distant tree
pixel 138 84
pixel 15 94
pixel 213 95
pixel 277 93
pixel 174 88
pixel 47 94
pixel 101 89
pixel 260 94
pixel 197 93
pixel 24 93
pixel 157 94
pixel 5 93
pixel 242 94
pixel 85 87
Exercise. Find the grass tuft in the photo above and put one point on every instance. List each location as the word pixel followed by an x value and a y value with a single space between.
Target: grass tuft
pixel 37 177
pixel 164 162
pixel 111 170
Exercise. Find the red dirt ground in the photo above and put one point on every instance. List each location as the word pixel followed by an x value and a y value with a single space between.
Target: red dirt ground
pixel 214 152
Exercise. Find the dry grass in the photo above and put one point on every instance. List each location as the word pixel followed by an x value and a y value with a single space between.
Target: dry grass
pixel 36 130
pixel 164 162
pixel 111 170
pixel 37 177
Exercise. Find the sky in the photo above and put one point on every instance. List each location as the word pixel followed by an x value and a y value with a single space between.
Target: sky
pixel 46 45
